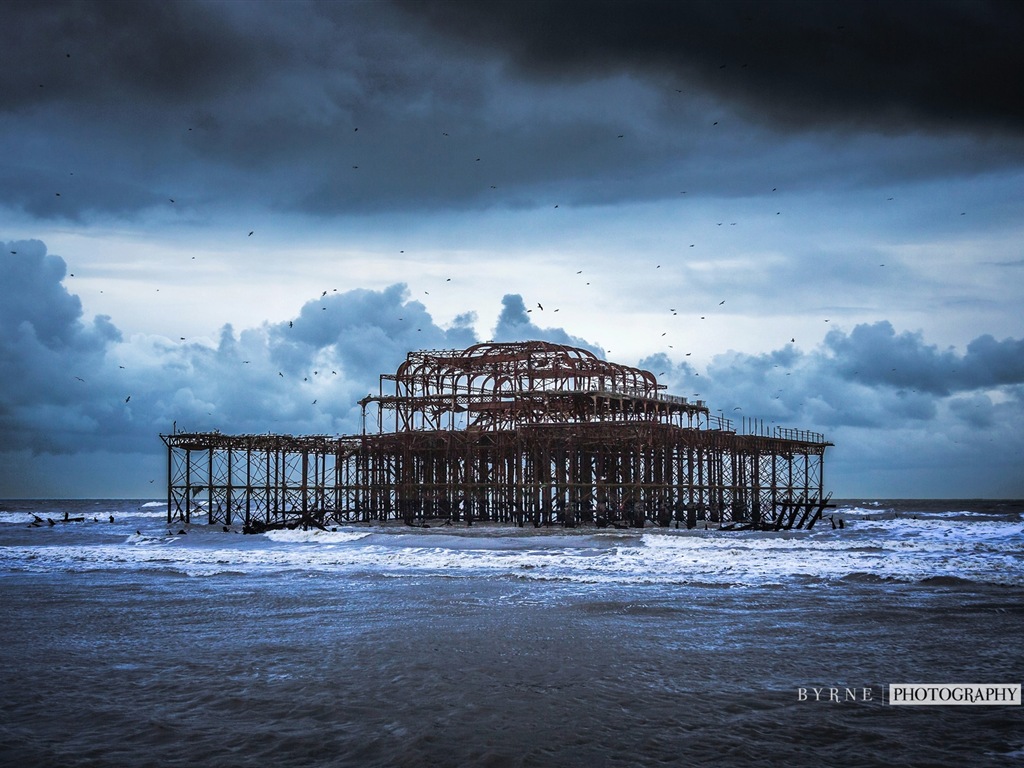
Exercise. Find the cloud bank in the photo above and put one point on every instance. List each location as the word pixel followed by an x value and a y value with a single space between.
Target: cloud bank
pixel 79 385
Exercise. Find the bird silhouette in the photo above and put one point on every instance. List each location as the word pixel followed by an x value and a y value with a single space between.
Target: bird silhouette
pixel 539 305
pixel 128 398
pixel 250 234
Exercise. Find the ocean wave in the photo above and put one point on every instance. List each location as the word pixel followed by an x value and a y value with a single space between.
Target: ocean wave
pixel 897 550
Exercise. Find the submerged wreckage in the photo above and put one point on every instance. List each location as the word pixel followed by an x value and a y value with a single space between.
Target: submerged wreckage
pixel 522 432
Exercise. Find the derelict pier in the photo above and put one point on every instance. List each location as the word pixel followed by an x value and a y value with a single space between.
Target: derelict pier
pixel 523 433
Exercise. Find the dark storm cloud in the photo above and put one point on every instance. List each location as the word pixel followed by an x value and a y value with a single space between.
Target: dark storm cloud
pixel 99 52
pixel 47 352
pixel 892 64
pixel 870 377
pixel 514 324
pixel 876 354
pixel 38 309
pixel 365 332
pixel 342 108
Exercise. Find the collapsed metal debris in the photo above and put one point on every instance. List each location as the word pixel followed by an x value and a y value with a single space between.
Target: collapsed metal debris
pixel 523 432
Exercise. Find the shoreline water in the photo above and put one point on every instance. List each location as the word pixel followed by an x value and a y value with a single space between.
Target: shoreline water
pixel 388 646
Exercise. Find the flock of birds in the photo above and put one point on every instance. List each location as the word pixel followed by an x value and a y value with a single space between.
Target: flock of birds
pixel 538 305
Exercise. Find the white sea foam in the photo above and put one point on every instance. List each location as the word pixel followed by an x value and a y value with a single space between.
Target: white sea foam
pixel 875 543
pixel 889 549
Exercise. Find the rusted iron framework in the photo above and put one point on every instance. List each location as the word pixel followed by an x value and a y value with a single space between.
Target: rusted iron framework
pixel 525 432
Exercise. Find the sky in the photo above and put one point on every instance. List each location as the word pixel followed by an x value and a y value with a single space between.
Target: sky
pixel 237 215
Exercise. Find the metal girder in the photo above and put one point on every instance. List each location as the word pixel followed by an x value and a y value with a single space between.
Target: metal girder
pixel 518 432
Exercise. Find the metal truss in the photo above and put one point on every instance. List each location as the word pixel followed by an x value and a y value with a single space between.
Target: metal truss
pixel 526 432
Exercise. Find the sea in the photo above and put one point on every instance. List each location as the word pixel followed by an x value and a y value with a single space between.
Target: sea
pixel 127 642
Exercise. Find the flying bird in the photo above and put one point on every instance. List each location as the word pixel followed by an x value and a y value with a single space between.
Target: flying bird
pixel 539 305
pixel 128 398
pixel 250 234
